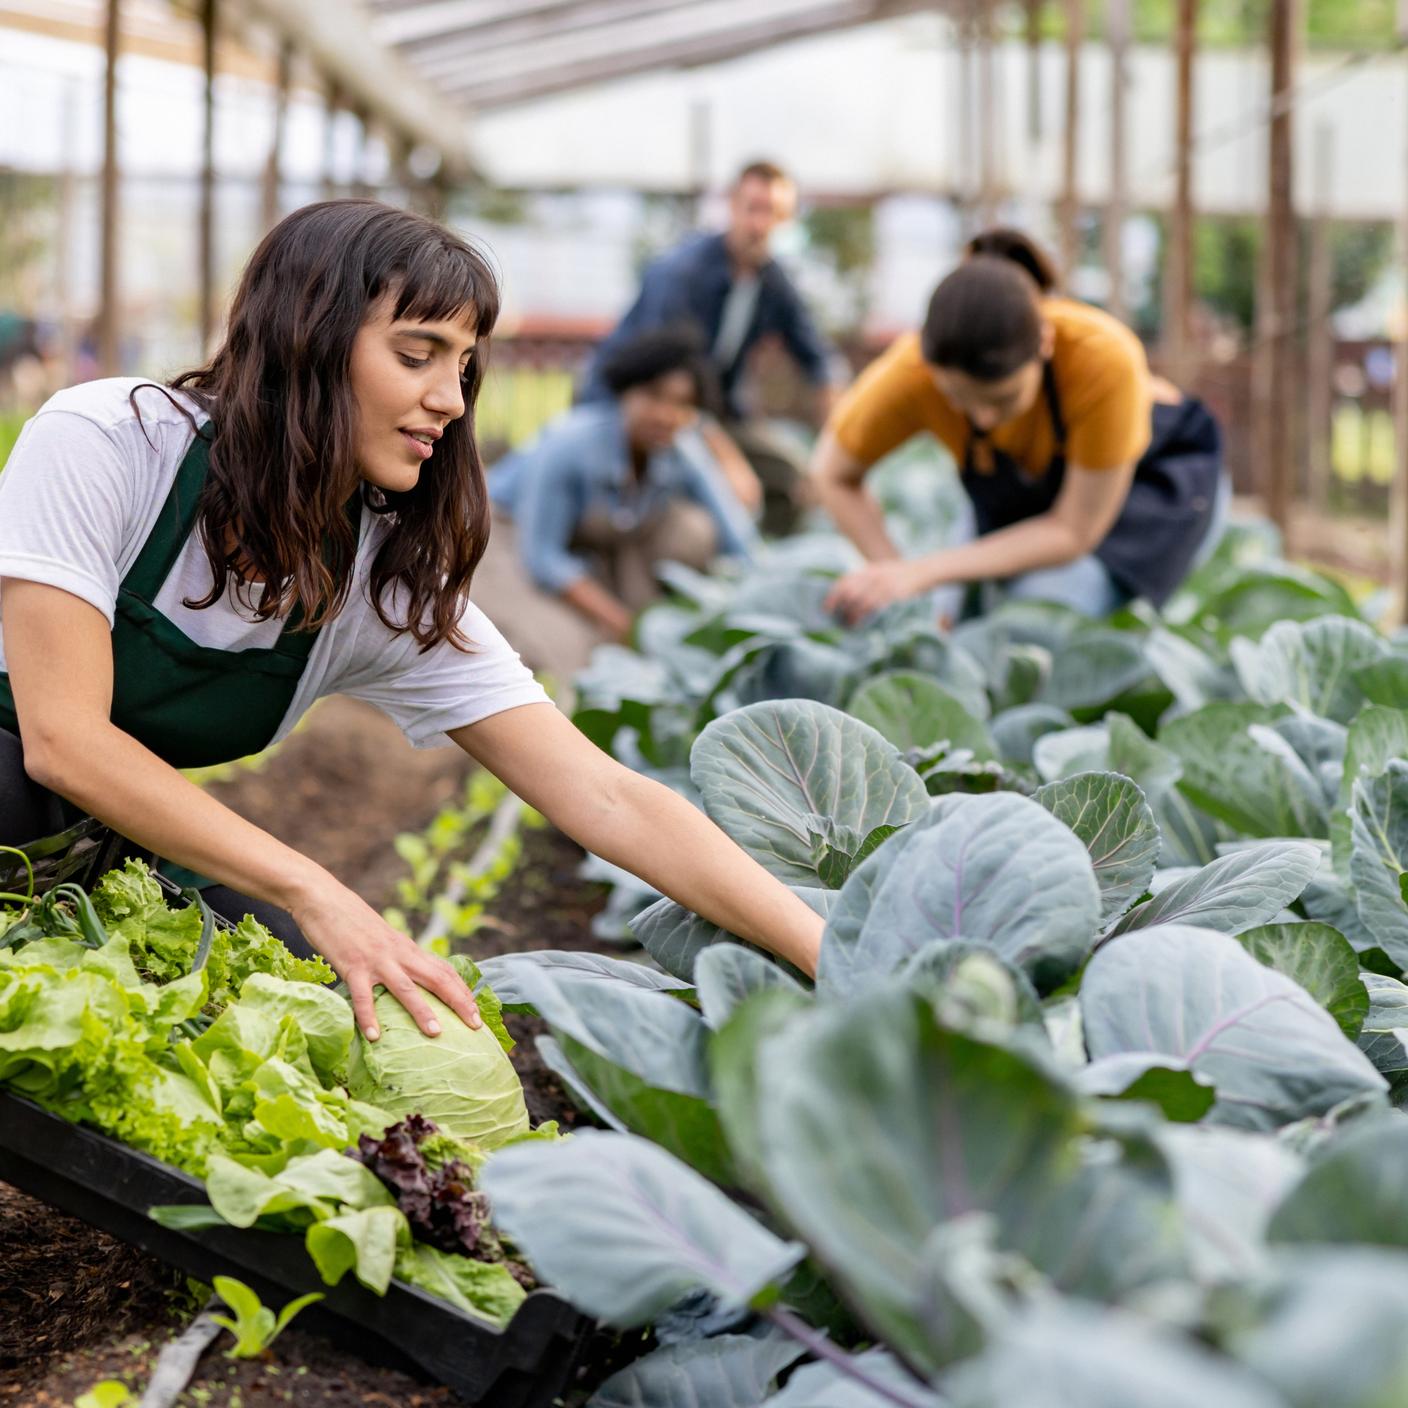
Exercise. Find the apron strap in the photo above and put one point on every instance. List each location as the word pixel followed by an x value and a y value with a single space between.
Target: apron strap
pixel 1053 401
pixel 173 523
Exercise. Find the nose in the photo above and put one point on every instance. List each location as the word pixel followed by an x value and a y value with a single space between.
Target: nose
pixel 445 396
pixel 984 418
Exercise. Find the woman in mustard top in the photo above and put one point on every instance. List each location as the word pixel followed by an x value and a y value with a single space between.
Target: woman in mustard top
pixel 1091 483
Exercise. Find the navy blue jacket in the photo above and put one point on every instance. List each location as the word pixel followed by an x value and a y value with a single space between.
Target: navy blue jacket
pixel 689 284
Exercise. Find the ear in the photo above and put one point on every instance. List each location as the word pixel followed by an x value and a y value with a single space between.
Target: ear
pixel 1048 339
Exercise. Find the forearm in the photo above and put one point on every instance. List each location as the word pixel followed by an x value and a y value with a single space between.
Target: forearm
pixel 857 513
pixel 674 847
pixel 595 602
pixel 108 774
pixel 736 469
pixel 1029 546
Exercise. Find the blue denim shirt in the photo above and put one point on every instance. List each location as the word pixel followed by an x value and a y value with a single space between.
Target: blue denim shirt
pixel 690 284
pixel 580 463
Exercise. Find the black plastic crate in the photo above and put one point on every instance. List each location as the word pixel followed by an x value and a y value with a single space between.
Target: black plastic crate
pixel 526 1365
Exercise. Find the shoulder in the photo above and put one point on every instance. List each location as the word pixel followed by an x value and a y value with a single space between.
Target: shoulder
pixel 1089 340
pixel 112 403
pixel 694 252
pixel 586 425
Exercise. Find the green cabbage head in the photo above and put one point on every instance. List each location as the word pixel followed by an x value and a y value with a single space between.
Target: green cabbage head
pixel 461 1079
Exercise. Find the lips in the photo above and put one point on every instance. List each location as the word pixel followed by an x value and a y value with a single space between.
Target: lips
pixel 422 449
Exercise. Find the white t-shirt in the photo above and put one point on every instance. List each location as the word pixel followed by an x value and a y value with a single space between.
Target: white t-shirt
pixel 79 496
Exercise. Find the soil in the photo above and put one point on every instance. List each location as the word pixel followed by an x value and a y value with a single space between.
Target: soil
pixel 77 1307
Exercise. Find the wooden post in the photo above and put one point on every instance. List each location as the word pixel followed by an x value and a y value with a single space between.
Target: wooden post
pixel 1178 257
pixel 1117 204
pixel 1278 323
pixel 1070 196
pixel 64 244
pixel 269 202
pixel 1319 362
pixel 209 19
pixel 1034 72
pixel 987 116
pixel 1398 486
pixel 330 107
pixel 108 295
pixel 361 186
pixel 964 175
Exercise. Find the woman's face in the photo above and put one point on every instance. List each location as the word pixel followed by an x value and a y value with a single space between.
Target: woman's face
pixel 656 411
pixel 408 382
pixel 988 404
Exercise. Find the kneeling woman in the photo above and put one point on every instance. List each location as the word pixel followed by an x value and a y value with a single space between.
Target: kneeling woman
pixel 185 569
pixel 583 515
pixel 1090 483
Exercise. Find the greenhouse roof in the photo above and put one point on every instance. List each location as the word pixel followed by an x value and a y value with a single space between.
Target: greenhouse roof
pixel 489 53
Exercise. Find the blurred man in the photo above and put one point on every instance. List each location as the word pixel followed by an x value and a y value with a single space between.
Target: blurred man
pixel 732 290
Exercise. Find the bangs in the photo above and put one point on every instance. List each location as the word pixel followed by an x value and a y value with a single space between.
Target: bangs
pixel 447 281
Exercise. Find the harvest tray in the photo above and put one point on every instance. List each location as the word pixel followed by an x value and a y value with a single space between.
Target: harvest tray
pixel 526 1365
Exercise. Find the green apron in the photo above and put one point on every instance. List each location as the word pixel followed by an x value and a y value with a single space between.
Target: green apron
pixel 192 705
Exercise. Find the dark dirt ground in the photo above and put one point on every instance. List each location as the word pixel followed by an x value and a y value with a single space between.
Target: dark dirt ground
pixel 77 1307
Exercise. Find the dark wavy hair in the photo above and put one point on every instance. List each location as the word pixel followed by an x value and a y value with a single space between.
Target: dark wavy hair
pixel 985 317
pixel 646 357
pixel 284 421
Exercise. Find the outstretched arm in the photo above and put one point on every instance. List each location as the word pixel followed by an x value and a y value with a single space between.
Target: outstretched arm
pixel 1076 524
pixel 839 478
pixel 642 826
pixel 58 652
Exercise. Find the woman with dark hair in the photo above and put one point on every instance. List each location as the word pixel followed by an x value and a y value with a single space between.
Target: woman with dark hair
pixel 185 569
pixel 608 490
pixel 1091 483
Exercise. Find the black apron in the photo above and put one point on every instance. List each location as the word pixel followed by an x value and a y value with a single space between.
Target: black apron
pixel 1165 518
pixel 192 705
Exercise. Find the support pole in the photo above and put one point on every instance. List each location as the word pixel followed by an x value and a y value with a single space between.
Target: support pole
pixel 1398 486
pixel 209 19
pixel 64 244
pixel 987 116
pixel 269 202
pixel 1070 197
pixel 1278 322
pixel 1117 204
pixel 966 175
pixel 1033 73
pixel 333 102
pixel 108 294
pixel 1178 258
pixel 361 185
pixel 1319 362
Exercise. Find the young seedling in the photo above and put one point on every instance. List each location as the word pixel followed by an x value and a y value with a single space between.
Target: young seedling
pixel 255 1327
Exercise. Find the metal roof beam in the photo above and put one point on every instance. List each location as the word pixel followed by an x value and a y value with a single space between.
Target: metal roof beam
pixel 554 22
pixel 428 19
pixel 339 41
pixel 513 83
pixel 704 20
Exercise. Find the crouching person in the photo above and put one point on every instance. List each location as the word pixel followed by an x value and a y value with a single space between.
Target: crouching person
pixel 583 516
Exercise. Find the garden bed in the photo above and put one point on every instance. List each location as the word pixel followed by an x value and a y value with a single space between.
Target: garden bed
pixel 78 1306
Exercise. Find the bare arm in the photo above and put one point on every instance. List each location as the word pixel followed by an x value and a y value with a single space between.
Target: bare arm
pixel 1076 524
pixel 840 485
pixel 59 654
pixel 737 471
pixel 594 601
pixel 643 826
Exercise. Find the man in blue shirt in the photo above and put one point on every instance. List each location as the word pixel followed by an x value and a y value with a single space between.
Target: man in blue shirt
pixel 729 287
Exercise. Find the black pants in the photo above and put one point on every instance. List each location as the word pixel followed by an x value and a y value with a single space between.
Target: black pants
pixel 29 811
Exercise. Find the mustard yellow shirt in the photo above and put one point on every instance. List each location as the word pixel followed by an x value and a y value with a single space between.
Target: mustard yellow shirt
pixel 1102 379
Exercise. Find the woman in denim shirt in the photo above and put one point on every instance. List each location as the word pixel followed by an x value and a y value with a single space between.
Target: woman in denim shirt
pixel 583 515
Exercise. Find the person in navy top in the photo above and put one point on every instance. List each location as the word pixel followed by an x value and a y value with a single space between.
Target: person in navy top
pixel 608 490
pixel 730 288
